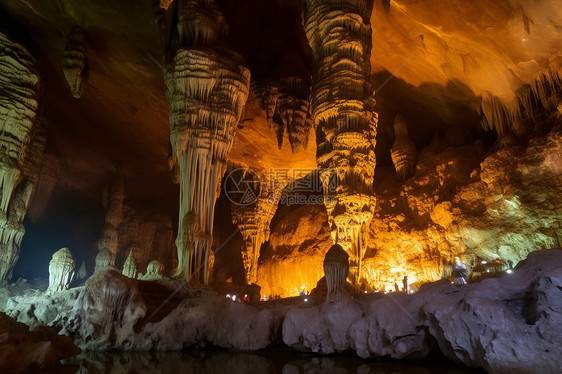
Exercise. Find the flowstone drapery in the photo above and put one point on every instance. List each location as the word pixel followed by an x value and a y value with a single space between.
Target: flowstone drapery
pixel 336 268
pixel 207 86
pixel 342 107
pixel 22 141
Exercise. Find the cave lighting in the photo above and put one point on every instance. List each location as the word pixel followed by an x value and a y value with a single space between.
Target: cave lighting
pixel 509 271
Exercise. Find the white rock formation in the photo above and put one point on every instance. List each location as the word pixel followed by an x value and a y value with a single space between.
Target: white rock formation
pixel 153 271
pixel 61 270
pixel 103 260
pixel 21 146
pixel 207 86
pixel 342 108
pixel 403 151
pixel 130 266
pixel 82 273
pixel 75 62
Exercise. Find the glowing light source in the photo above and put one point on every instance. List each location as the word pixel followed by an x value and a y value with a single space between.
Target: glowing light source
pixel 305 300
pixel 484 262
pixel 228 296
pixel 509 271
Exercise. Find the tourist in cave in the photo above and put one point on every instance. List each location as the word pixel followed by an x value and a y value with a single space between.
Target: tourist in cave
pixel 460 271
pixel 405 283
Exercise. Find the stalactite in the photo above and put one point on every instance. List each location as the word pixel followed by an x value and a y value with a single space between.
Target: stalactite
pixel 207 86
pixel 61 270
pixel 22 141
pixel 336 269
pixel 403 151
pixel 286 103
pixel 541 96
pixel 113 216
pixel 253 221
pixel 342 107
pixel 130 266
pixel 75 62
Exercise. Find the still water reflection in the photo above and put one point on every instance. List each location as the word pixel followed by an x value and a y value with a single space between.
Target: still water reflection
pixel 268 361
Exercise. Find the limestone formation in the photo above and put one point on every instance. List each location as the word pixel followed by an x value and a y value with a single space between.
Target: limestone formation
pixel 113 216
pixel 342 107
pixel 336 269
pixel 103 260
pixel 540 97
pixel 82 273
pixel 75 62
pixel 286 102
pixel 61 270
pixel 207 86
pixel 130 266
pixel 253 220
pixel 403 150
pixel 21 146
pixel 153 271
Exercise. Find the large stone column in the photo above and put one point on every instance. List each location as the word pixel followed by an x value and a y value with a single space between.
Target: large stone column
pixel 342 106
pixel 21 146
pixel 207 86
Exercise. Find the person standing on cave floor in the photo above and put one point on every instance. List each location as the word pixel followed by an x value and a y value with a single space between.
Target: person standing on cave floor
pixel 460 271
pixel 405 283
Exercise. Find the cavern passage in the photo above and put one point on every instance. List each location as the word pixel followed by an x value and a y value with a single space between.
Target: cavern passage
pixel 322 175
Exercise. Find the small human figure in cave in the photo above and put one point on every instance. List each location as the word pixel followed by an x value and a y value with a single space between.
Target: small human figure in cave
pixel 362 289
pixel 405 283
pixel 460 271
pixel 396 287
pixel 510 264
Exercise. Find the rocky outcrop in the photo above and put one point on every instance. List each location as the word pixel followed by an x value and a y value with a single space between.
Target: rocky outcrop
pixel 207 86
pixel 153 271
pixel 342 107
pixel 468 323
pixel 75 63
pixel 22 350
pixel 61 270
pixel 21 146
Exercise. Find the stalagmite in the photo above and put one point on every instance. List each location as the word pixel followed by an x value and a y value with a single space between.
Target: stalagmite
pixel 286 102
pixel 75 62
pixel 113 216
pixel 130 266
pixel 61 270
pixel 403 150
pixel 103 260
pixel 253 220
pixel 82 272
pixel 21 146
pixel 342 107
pixel 207 86
pixel 336 268
pixel 153 271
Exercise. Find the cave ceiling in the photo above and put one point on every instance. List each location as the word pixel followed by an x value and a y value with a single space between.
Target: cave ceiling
pixel 430 61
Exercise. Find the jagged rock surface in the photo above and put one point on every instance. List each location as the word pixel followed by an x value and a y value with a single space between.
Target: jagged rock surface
pixel 342 107
pixel 207 86
pixel 75 62
pixel 21 146
pixel 61 270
